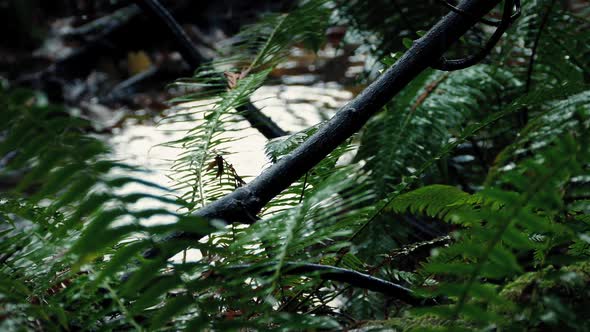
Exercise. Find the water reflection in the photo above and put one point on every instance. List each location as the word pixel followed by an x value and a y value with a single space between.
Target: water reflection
pixel 300 100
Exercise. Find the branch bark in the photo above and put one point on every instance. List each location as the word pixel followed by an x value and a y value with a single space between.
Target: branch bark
pixel 247 201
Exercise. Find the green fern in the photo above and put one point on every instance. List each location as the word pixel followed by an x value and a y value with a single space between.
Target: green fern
pixel 79 252
pixel 225 85
pixel 555 41
pixel 420 121
pixel 467 263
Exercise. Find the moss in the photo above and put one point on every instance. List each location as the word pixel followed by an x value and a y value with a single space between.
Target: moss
pixel 564 281
pixel 548 298
pixel 520 288
pixel 411 322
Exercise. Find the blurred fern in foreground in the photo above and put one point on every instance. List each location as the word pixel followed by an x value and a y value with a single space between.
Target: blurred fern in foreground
pixel 465 216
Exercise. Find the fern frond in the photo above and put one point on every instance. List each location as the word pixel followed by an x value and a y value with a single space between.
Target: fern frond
pixel 527 209
pixel 548 45
pixel 200 183
pixel 419 121
pixel 226 84
pixel 556 117
pixel 312 231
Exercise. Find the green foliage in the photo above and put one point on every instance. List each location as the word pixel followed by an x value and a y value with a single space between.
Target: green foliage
pixel 92 243
pixel 225 85
pixel 422 118
pixel 436 201
pixel 486 218
pixel 490 251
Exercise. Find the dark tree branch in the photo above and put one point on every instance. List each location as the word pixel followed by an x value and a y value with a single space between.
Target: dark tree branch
pixel 243 204
pixel 544 20
pixel 457 64
pixel 426 51
pixel 194 58
pixel 484 20
pixel 332 273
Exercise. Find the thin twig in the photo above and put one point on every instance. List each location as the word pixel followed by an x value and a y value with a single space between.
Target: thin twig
pixel 544 21
pixel 524 115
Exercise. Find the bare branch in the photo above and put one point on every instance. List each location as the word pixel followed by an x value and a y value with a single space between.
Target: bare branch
pixel 457 64
pixel 332 273
pixel 185 46
pixel 244 203
pixel 194 58
pixel 484 20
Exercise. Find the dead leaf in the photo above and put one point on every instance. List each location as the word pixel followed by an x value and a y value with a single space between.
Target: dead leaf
pixel 138 62
pixel 233 78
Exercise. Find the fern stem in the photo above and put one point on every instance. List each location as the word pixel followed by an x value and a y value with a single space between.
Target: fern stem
pixel 288 238
pixel 267 45
pixel 303 188
pixel 544 21
pixel 529 76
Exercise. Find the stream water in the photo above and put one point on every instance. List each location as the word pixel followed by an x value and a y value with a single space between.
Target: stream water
pixel 299 101
pixel 301 98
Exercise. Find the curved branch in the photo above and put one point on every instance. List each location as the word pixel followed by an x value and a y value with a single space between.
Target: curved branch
pixel 457 64
pixel 332 273
pixel 484 20
pixel 194 58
